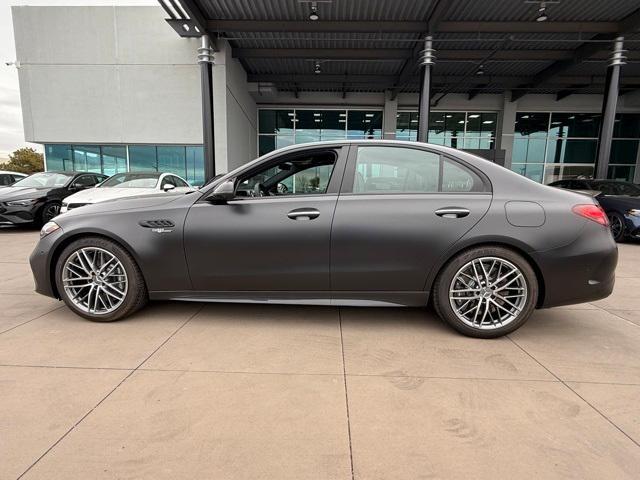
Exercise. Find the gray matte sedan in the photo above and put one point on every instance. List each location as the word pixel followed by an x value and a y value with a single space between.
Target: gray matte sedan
pixel 365 223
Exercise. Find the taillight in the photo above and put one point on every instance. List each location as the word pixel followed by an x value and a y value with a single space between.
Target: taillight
pixel 592 212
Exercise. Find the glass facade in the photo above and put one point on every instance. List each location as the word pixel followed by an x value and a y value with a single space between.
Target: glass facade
pixel 279 128
pixel 184 160
pixel 549 146
pixel 468 130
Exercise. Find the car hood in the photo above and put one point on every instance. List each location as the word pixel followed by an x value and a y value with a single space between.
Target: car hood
pixel 95 195
pixel 120 204
pixel 17 193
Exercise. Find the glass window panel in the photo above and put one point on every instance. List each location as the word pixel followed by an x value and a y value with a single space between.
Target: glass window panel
pixel 575 125
pixel 284 141
pixel 172 159
pixel 58 157
pixel 86 158
pixel 627 125
pixel 364 124
pixel 621 172
pixel 572 151
pixel 530 170
pixel 195 165
pixel 624 151
pixel 275 121
pixel 266 144
pixel 333 124
pixel 402 125
pixel 395 170
pixel 456 178
pixel 142 158
pixel 436 127
pixel 528 150
pixel 454 124
pixel 559 172
pixel 478 143
pixel 481 124
pixel 530 124
pixel 308 125
pixel 114 159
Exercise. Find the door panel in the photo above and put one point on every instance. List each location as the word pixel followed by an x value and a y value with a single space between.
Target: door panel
pixel 390 242
pixel 261 244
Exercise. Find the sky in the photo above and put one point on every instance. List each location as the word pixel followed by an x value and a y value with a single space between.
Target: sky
pixel 11 131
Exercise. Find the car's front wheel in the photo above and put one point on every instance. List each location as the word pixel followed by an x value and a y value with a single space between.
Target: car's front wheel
pixel 99 280
pixel 486 292
pixel 616 223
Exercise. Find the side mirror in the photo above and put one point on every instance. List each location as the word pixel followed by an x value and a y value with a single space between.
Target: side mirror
pixel 223 193
pixel 167 187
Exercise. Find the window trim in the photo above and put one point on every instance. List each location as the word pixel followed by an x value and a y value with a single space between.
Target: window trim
pixel 350 170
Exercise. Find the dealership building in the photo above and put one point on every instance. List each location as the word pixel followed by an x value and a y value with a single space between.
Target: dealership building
pixel 199 87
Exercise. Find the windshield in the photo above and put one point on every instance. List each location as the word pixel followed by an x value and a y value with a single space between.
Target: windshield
pixel 44 180
pixel 131 180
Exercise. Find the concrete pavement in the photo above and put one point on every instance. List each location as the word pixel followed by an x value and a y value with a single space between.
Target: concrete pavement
pixel 187 390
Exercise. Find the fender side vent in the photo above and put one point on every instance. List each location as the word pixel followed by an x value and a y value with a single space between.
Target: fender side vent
pixel 162 223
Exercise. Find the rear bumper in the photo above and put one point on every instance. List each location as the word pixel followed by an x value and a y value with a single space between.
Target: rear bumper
pixel 582 271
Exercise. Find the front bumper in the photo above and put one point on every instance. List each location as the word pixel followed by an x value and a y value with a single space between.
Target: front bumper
pixel 41 265
pixel 19 215
pixel 632 226
pixel 582 271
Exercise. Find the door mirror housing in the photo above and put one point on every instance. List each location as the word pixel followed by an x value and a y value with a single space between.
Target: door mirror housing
pixel 223 193
pixel 167 187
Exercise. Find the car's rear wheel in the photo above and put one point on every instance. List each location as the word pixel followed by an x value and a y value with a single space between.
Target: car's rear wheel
pixel 486 292
pixel 616 223
pixel 99 280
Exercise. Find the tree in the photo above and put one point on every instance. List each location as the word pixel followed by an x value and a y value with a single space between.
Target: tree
pixel 24 160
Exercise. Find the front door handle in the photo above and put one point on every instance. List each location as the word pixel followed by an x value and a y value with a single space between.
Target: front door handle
pixel 303 214
pixel 452 212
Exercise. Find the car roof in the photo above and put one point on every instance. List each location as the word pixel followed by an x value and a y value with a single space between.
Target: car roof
pixel 13 173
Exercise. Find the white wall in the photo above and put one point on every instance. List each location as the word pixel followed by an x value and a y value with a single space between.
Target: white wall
pixel 106 75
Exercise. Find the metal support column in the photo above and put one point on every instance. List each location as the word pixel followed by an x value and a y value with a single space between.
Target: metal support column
pixel 610 102
pixel 206 60
pixel 427 59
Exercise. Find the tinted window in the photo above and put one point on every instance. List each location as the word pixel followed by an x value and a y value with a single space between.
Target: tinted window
pixel 86 181
pixel 168 180
pixel 456 178
pixel 5 179
pixel 178 182
pixel 606 187
pixel 300 176
pixel 398 170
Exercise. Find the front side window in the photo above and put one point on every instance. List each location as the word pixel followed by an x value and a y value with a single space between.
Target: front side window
pixel 86 181
pixel 408 170
pixel 308 175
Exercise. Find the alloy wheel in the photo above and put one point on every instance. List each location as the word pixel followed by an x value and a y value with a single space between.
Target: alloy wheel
pixel 51 211
pixel 488 293
pixel 95 280
pixel 615 223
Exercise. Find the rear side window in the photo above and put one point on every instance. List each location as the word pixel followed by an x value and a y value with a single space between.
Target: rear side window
pixel 5 179
pixel 409 170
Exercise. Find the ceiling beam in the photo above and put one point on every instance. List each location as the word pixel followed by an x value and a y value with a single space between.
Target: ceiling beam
pixel 400 53
pixel 195 14
pixel 630 23
pixel 572 81
pixel 364 26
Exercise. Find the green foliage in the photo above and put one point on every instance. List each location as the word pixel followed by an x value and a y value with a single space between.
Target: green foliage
pixel 24 160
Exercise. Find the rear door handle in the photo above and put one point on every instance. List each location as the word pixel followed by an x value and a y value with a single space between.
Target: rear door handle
pixel 303 214
pixel 452 212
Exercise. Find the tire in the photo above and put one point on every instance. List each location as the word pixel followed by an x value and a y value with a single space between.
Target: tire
pixel 115 296
pixel 471 296
pixel 49 211
pixel 618 229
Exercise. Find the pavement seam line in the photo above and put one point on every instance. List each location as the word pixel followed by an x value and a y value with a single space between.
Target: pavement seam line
pixel 101 401
pixel 618 316
pixel 574 392
pixel 36 318
pixel 346 394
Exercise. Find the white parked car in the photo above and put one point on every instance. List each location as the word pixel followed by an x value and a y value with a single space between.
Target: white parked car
pixel 8 178
pixel 128 184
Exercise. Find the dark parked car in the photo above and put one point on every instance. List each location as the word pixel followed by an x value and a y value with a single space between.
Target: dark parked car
pixel 368 223
pixel 37 198
pixel 620 200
